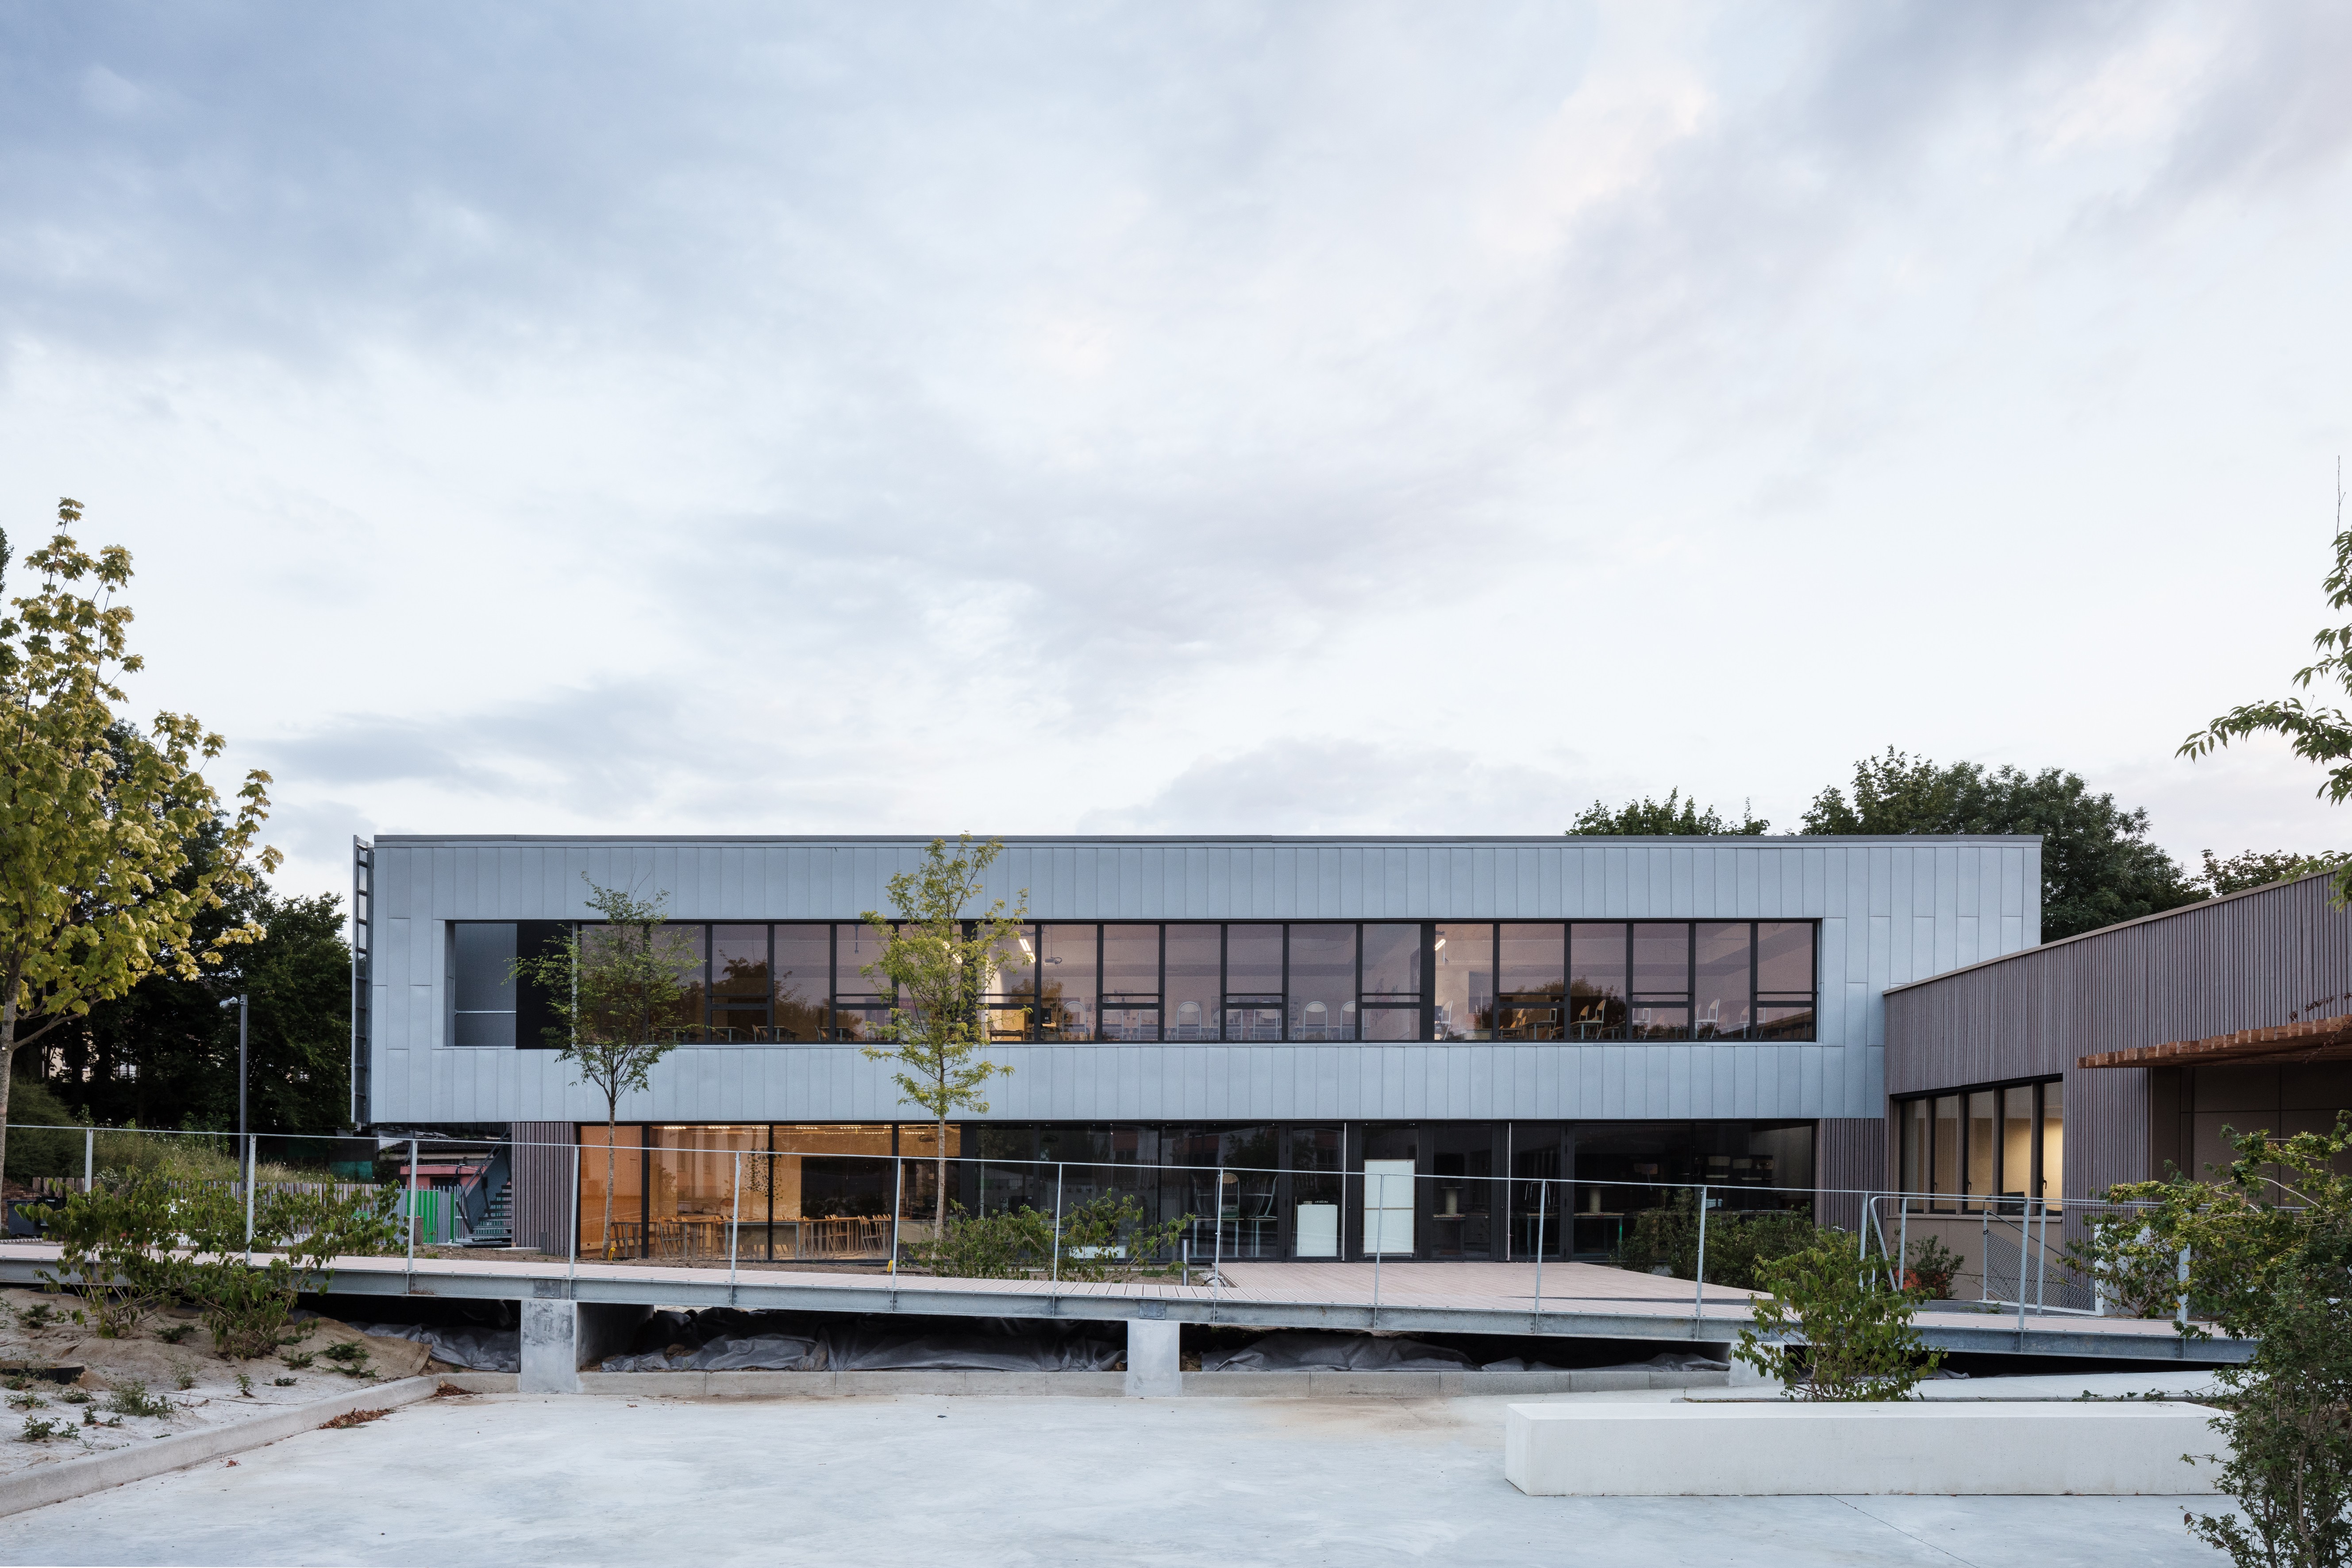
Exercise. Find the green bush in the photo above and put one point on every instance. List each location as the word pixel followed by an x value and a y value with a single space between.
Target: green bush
pixel 1100 1238
pixel 1855 1327
pixel 1738 1242
pixel 1931 1269
pixel 118 1252
pixel 44 1139
pixel 2269 1247
pixel 247 1300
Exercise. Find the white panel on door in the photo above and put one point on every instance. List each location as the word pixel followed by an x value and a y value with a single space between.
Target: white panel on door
pixel 1388 1207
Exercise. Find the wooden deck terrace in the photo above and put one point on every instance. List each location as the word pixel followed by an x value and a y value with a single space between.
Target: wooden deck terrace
pixel 1580 1300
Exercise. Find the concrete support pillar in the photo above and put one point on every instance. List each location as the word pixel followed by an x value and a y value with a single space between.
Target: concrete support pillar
pixel 1153 1369
pixel 558 1338
pixel 1742 1374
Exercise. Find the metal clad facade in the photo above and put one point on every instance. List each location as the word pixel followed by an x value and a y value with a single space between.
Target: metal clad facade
pixel 1891 910
pixel 2250 961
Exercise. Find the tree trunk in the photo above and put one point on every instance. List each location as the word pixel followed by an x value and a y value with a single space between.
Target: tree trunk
pixel 612 1130
pixel 941 1235
pixel 7 1060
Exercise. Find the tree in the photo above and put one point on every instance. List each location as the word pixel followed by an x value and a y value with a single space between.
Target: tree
pixel 2267 1246
pixel 941 966
pixel 2317 734
pixel 2097 866
pixel 2258 868
pixel 606 985
pixel 1672 817
pixel 164 1054
pixel 1855 1324
pixel 97 821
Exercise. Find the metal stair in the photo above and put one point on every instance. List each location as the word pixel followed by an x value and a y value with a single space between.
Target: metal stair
pixel 497 1226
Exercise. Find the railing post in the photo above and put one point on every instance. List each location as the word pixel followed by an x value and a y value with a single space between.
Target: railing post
pixel 1698 1286
pixel 898 1202
pixel 1217 1233
pixel 1054 1273
pixel 89 1159
pixel 1543 1188
pixel 573 1271
pixel 734 1228
pixel 2181 1315
pixel 252 1180
pixel 1379 1236
pixel 410 1283
pixel 1903 1246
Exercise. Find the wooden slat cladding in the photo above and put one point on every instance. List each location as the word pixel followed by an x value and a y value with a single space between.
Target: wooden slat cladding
pixel 1851 1156
pixel 2257 959
pixel 541 1200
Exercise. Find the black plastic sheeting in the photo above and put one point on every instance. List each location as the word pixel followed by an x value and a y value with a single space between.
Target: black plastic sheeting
pixel 1670 1361
pixel 724 1339
pixel 1303 1351
pixel 476 1350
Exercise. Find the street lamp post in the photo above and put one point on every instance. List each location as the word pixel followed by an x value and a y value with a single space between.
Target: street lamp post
pixel 240 1002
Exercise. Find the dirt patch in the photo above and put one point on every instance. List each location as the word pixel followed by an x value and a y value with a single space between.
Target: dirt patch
pixel 164 1378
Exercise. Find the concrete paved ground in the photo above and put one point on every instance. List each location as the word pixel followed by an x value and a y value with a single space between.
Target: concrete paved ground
pixel 517 1480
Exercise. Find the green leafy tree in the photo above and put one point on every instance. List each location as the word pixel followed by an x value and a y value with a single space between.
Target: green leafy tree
pixel 2097 866
pixel 1856 1326
pixel 97 821
pixel 607 987
pixel 2317 733
pixel 1672 817
pixel 941 959
pixel 2269 1250
pixel 2260 869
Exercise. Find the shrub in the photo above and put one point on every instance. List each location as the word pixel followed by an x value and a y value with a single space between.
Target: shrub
pixel 1100 1238
pixel 247 1302
pixel 130 1398
pixel 44 1139
pixel 2268 1248
pixel 1855 1327
pixel 40 1429
pixel 1738 1242
pixel 1931 1269
pixel 118 1252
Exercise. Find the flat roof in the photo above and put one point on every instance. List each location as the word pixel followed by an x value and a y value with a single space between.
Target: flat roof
pixel 1775 839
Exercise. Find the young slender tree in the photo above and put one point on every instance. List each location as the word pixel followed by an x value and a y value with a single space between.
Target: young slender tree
pixel 101 880
pixel 608 986
pixel 940 960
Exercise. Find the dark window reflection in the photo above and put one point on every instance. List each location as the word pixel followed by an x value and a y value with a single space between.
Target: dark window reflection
pixel 1661 960
pixel 1322 983
pixel 1597 959
pixel 1254 962
pixel 803 975
pixel 1532 982
pixel 1784 957
pixel 1066 988
pixel 739 984
pixel 1392 961
pixel 1722 998
pixel 1195 988
pixel 1131 983
pixel 1466 982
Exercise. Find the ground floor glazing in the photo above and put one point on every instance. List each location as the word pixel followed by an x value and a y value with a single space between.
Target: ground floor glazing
pixel 776 1192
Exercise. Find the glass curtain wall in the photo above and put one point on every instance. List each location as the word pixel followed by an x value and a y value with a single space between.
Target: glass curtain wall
pixel 1317 982
pixel 1998 1148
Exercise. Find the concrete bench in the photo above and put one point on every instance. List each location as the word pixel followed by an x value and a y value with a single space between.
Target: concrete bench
pixel 1768 1449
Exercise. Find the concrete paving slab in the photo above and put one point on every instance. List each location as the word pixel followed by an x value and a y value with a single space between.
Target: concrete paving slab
pixel 1184 1483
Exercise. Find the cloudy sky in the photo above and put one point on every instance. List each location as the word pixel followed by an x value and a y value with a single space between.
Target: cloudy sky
pixel 1292 418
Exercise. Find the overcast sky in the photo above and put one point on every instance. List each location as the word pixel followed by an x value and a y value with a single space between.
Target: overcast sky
pixel 1295 418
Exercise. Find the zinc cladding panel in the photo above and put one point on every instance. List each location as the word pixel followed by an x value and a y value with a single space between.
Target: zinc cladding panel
pixel 422 883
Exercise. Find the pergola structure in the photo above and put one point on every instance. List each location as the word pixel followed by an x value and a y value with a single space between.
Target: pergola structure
pixel 2310 1040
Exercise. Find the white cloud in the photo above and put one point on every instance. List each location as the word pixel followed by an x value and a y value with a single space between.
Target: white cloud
pixel 1326 418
